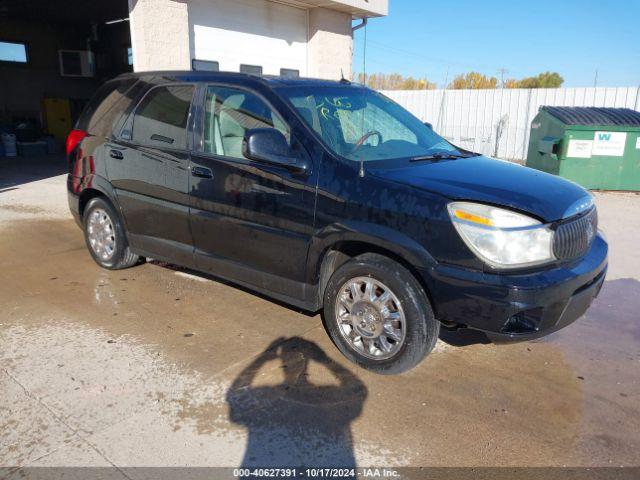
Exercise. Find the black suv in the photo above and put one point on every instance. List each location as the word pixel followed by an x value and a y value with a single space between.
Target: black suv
pixel 328 195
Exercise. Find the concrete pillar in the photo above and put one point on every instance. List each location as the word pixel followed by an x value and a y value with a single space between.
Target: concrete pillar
pixel 330 47
pixel 159 35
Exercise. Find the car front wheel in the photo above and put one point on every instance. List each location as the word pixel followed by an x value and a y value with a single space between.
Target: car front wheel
pixel 378 315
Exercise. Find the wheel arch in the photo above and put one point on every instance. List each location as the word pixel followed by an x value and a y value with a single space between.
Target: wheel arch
pixel 97 186
pixel 342 245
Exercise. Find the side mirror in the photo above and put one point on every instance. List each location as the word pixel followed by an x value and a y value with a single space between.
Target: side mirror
pixel 428 125
pixel 269 145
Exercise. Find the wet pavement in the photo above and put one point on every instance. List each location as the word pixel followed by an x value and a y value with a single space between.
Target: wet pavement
pixel 156 366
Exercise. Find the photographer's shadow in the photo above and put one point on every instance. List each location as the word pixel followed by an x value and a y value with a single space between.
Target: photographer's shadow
pixel 298 422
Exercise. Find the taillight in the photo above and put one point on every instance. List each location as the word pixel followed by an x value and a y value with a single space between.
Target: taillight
pixel 74 138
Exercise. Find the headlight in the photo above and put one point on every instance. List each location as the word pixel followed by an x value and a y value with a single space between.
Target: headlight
pixel 502 238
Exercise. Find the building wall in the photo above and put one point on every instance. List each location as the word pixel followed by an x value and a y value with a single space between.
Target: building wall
pixel 160 34
pixel 330 48
pixel 168 34
pixel 470 118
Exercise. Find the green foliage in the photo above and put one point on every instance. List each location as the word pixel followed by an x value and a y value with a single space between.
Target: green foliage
pixel 473 80
pixel 543 80
pixel 395 81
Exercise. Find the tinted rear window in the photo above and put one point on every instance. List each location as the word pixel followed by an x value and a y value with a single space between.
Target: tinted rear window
pixel 161 118
pixel 107 106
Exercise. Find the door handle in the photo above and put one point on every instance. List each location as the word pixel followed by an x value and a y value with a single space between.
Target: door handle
pixel 117 154
pixel 201 172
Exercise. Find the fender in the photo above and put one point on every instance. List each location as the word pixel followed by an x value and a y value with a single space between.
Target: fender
pixel 102 185
pixel 357 231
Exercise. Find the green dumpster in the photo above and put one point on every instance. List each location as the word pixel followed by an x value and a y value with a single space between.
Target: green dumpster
pixel 598 148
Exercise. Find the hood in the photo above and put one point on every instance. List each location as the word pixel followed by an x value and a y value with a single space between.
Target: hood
pixel 497 182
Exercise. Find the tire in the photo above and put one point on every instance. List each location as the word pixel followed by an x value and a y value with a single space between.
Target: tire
pixel 403 321
pixel 105 236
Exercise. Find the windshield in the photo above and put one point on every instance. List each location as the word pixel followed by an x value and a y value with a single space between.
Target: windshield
pixel 363 125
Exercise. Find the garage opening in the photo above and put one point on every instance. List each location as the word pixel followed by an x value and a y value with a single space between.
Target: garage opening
pixel 53 56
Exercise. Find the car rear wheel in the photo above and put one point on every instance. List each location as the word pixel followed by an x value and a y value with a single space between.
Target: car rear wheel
pixel 378 315
pixel 105 237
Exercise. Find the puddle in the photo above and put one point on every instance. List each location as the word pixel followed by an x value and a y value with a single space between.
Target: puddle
pixel 157 369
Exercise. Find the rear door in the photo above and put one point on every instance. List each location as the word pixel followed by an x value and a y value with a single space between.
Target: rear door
pixel 149 167
pixel 251 221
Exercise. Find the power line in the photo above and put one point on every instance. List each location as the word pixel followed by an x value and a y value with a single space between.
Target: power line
pixel 435 59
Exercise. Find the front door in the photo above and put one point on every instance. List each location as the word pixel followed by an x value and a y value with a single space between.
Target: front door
pixel 251 221
pixel 150 171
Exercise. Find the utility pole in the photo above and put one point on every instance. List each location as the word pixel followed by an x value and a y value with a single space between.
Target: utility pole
pixel 446 79
pixel 503 72
pixel 595 80
pixel 442 102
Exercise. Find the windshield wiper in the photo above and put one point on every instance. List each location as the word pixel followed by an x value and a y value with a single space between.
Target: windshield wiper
pixel 444 156
pixel 437 156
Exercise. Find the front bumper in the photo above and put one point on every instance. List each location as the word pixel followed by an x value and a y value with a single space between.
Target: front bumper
pixel 518 306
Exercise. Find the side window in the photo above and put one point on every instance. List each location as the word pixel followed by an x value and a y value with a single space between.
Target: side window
pixel 106 107
pixel 229 113
pixel 161 118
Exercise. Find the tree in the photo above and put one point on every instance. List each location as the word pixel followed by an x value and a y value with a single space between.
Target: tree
pixel 543 80
pixel 395 81
pixel 473 80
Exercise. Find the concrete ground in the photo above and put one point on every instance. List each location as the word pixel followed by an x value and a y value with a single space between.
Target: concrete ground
pixel 155 366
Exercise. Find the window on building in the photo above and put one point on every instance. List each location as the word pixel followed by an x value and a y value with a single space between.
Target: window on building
pixel 229 113
pixel 161 118
pixel 289 73
pixel 205 65
pixel 13 52
pixel 252 69
pixel 129 56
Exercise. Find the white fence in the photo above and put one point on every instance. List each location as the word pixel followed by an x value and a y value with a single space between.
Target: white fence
pixel 497 122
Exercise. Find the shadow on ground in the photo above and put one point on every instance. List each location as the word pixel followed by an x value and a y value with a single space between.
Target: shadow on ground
pixel 19 170
pixel 463 337
pixel 304 420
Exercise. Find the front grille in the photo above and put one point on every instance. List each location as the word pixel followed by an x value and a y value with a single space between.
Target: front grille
pixel 574 237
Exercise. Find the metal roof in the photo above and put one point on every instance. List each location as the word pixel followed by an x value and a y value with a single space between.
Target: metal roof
pixel 595 115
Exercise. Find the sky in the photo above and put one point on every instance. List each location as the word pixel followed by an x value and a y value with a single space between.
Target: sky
pixel 428 38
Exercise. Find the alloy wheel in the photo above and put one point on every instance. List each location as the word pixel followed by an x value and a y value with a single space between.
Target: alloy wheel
pixel 370 318
pixel 101 234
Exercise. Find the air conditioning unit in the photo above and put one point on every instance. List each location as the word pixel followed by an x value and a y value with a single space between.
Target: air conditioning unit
pixel 76 63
